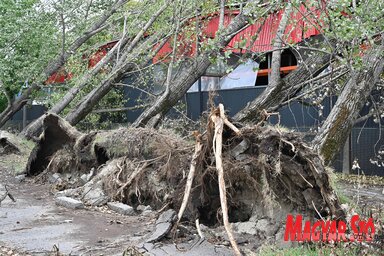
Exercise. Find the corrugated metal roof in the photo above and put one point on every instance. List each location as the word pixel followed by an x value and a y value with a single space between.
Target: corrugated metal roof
pixel 304 23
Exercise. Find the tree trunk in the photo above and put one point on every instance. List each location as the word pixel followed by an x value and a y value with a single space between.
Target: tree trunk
pixel 57 63
pixel 35 128
pixel 222 14
pixel 276 54
pixel 85 106
pixel 188 76
pixel 275 94
pixel 177 89
pixel 339 123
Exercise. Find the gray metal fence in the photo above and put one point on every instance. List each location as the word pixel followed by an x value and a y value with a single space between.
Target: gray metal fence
pixel 365 139
pixel 364 147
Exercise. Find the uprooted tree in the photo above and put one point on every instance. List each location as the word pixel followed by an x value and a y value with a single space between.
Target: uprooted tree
pixel 137 51
pixel 258 170
pixel 57 62
pixel 247 169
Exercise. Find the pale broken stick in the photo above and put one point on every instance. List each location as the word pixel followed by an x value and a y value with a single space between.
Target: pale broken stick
pixel 229 124
pixel 191 175
pixel 226 121
pixel 199 229
pixel 7 194
pixel 219 123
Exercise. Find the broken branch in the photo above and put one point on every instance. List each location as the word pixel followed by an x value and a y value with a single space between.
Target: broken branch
pixel 191 175
pixel 219 123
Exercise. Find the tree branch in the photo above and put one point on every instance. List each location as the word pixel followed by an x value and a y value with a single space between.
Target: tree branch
pixel 197 68
pixel 222 15
pixel 276 55
pixel 59 61
pixel 4 90
pixel 125 64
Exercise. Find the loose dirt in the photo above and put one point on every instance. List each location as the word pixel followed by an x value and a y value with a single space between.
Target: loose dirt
pixel 35 225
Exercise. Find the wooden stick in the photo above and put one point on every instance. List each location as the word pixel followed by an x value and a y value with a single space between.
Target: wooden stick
pixel 232 126
pixel 219 123
pixel 289 143
pixel 7 194
pixel 191 175
pixel 199 229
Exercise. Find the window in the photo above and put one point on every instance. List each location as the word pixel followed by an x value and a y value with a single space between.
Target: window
pixel 248 74
pixel 243 75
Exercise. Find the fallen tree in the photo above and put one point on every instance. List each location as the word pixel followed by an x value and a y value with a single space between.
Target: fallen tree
pixel 125 64
pixel 197 66
pixel 339 123
pixel 60 60
pixel 269 172
pixel 136 49
pixel 280 90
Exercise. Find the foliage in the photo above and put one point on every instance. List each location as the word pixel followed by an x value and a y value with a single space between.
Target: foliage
pixel 313 250
pixel 27 42
pixel 33 32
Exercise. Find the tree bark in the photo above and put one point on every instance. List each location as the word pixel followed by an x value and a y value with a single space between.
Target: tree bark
pixel 189 75
pixel 339 123
pixel 276 54
pixel 57 63
pixel 222 14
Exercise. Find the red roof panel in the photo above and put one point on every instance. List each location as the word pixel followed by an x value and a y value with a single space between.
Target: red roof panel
pixel 303 24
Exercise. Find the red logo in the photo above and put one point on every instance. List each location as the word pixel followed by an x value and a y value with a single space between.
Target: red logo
pixel 330 230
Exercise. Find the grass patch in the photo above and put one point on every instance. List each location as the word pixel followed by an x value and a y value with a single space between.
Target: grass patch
pixel 321 249
pixel 16 162
pixel 360 179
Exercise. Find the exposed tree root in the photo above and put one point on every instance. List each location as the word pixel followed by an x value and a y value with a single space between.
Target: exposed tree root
pixel 255 171
pixel 218 120
pixel 7 147
pixel 190 177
